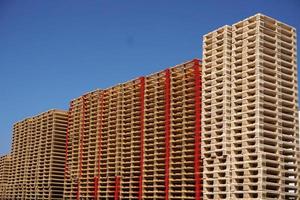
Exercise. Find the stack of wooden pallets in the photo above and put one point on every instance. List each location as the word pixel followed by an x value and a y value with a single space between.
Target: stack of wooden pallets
pixel 250 110
pixel 137 140
pixel 4 172
pixel 37 157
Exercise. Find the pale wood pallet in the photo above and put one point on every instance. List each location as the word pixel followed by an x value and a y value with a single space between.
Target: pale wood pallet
pixel 4 175
pixel 264 145
pixel 216 126
pixel 37 157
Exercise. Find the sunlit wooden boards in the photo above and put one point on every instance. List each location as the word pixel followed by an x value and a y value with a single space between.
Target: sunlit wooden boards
pixel 171 176
pixel 137 140
pixel 216 92
pixel 37 157
pixel 250 111
pixel 82 134
pixel 4 173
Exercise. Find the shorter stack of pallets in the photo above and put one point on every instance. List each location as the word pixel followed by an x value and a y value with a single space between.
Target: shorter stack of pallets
pixel 37 157
pixel 4 171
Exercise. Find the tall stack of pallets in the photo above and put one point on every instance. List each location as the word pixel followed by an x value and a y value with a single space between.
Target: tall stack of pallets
pixel 131 137
pixel 264 110
pixel 37 157
pixel 4 172
pixel 19 153
pixel 93 146
pixel 141 139
pixel 216 113
pixel 172 133
pixel 263 103
pixel 81 146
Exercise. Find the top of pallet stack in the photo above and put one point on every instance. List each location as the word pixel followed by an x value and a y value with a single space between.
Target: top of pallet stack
pixel 87 93
pixel 136 79
pixel 6 156
pixel 42 113
pixel 176 66
pixel 214 31
pixel 258 15
pixel 263 16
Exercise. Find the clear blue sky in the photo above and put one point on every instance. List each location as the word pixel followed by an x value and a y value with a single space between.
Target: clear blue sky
pixel 53 51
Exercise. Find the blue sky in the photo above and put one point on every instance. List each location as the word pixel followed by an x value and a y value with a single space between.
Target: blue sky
pixel 53 51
